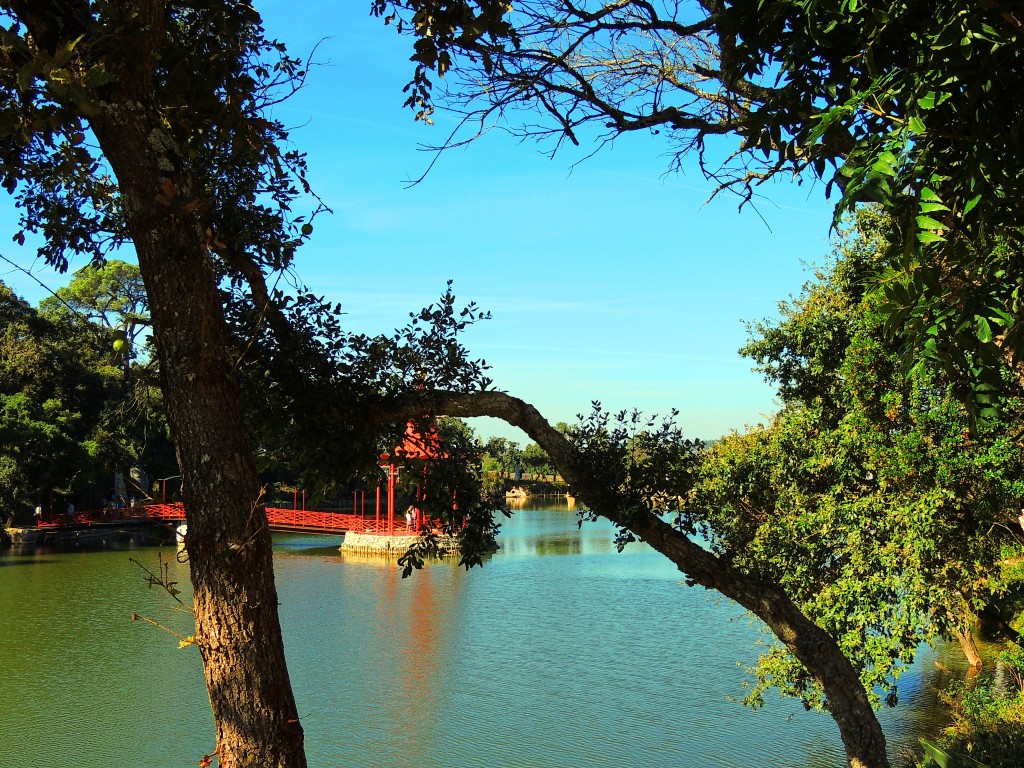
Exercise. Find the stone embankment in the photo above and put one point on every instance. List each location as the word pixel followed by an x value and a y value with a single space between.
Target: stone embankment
pixel 367 543
pixel 126 532
pixel 529 488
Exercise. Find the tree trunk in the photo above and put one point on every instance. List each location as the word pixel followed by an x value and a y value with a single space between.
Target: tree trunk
pixel 846 698
pixel 969 647
pixel 237 629
pixel 229 546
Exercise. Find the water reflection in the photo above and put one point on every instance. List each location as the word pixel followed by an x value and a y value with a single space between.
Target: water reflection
pixel 528 503
pixel 550 531
pixel 560 652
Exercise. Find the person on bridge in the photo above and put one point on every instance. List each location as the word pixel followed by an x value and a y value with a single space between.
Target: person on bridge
pixel 39 515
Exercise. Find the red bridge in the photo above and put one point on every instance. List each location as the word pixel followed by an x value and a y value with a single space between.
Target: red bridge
pixel 301 520
pixel 414 446
pixel 280 519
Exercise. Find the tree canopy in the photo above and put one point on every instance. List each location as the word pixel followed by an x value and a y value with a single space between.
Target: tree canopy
pixel 911 104
pixel 50 406
pixel 867 495
pixel 110 293
pixel 152 122
pixel 70 414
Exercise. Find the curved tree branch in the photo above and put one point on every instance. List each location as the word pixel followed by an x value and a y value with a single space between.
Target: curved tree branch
pixel 847 700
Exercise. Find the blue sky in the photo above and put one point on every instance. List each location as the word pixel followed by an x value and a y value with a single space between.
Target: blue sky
pixel 607 280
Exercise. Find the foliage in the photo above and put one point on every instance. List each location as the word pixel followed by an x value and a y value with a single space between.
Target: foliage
pixel 866 497
pixel 646 459
pixel 109 301
pixel 62 183
pixel 452 495
pixel 910 104
pixel 924 97
pixel 55 379
pixel 110 294
pixel 501 455
pixel 944 759
pixel 986 724
pixel 441 28
pixel 1012 659
pixel 536 461
pixel 74 411
pixel 312 394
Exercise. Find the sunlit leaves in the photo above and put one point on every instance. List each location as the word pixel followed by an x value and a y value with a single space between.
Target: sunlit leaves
pixel 64 418
pixel 645 460
pixel 867 496
pixel 930 106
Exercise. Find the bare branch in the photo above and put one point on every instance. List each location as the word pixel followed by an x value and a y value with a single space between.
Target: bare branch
pixel 618 66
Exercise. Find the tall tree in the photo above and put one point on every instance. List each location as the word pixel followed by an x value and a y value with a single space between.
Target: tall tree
pixel 110 293
pixel 164 88
pixel 866 495
pixel 54 382
pixel 148 121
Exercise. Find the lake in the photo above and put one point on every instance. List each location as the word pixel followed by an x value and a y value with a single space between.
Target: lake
pixel 559 652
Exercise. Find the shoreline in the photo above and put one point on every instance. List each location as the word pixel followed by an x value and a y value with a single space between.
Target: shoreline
pixel 95 535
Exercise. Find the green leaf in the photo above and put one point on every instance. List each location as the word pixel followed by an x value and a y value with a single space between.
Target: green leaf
pixel 885 164
pixel 984 330
pixel 916 124
pixel 1002 317
pixel 945 760
pixel 927 222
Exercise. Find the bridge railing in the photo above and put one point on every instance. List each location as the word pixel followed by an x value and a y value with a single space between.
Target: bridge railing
pixel 279 518
pixel 94 516
pixel 334 522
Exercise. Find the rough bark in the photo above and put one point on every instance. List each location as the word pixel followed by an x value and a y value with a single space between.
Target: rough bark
pixel 229 546
pixel 237 629
pixel 847 700
pixel 970 648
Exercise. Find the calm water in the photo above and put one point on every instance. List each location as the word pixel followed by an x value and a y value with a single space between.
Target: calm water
pixel 560 652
